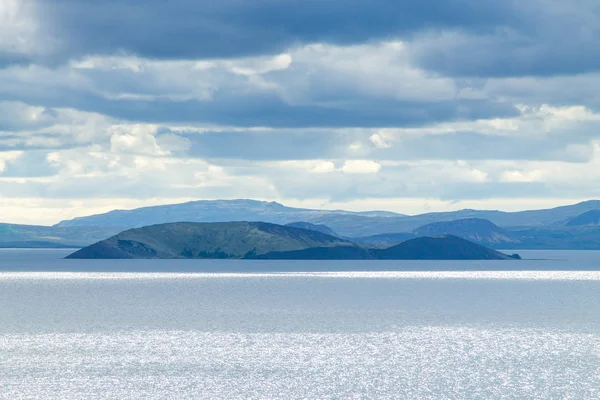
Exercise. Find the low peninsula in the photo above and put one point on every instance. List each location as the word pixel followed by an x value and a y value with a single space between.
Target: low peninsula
pixel 260 240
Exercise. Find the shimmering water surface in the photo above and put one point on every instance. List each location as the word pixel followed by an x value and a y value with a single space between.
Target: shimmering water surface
pixel 237 329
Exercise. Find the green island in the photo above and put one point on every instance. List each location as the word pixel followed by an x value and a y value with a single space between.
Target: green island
pixel 260 240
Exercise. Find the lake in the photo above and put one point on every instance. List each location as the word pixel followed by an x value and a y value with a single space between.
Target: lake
pixel 223 329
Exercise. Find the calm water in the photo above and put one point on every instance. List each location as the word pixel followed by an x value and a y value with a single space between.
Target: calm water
pixel 211 329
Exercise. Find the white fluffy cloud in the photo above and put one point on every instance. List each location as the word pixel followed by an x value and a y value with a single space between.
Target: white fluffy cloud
pixel 361 167
pixel 536 175
pixel 137 139
pixel 379 140
pixel 8 156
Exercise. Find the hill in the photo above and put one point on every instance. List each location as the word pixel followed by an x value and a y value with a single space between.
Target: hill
pixel 259 240
pixel 207 240
pixel 590 218
pixel 444 247
pixel 558 238
pixel 476 230
pixel 320 253
pixel 313 227
pixel 425 248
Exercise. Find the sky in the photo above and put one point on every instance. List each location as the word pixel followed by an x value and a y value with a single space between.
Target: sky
pixel 407 106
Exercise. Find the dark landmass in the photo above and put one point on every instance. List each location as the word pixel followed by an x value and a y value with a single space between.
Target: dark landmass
pixel 443 247
pixel 384 239
pixel 590 218
pixel 207 240
pixel 319 253
pixel 259 240
pixel 558 238
pixel 476 230
pixel 313 227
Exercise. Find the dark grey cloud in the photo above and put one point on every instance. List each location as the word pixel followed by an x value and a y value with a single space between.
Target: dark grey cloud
pixel 453 37
pixel 273 112
pixel 265 145
pixel 191 29
pixel 309 93
pixel 546 38
pixel 249 110
pixel 299 144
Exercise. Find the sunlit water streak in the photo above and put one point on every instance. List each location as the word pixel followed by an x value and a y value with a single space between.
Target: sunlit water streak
pixel 505 275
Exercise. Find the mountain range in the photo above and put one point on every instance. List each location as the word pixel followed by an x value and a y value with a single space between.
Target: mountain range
pixel 345 223
pixel 573 226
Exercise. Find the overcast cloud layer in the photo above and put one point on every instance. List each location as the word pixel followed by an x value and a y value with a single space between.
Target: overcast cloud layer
pixel 406 106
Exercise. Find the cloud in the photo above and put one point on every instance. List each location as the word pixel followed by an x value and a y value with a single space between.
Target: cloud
pixel 311 166
pixel 137 139
pixel 539 133
pixel 323 167
pixel 546 38
pixel 20 116
pixel 25 126
pixel 314 85
pixel 453 37
pixel 469 38
pixel 172 143
pixel 361 167
pixel 230 28
pixel 8 156
pixel 522 176
pixel 379 141
pixel 21 37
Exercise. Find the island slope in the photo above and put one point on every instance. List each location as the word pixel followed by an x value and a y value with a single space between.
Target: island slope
pixel 443 247
pixel 207 240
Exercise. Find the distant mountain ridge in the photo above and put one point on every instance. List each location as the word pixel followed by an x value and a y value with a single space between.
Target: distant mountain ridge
pixel 384 239
pixel 476 230
pixel 259 240
pixel 313 227
pixel 225 211
pixel 33 236
pixel 589 218
pixel 345 223
pixel 570 226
